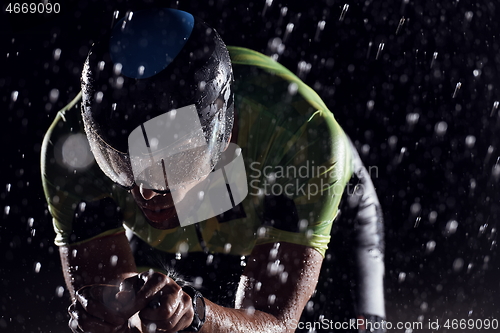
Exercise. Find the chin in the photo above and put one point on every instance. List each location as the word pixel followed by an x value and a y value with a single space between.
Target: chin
pixel 163 219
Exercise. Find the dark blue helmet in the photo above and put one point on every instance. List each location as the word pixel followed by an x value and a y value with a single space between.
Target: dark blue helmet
pixel 154 62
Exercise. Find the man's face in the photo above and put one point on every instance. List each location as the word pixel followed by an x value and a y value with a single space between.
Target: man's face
pixel 159 208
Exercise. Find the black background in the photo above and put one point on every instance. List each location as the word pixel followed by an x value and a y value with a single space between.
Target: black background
pixel 418 173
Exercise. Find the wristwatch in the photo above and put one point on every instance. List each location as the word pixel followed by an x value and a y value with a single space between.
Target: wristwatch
pixel 198 307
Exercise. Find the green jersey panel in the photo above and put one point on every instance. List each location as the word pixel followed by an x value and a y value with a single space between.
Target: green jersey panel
pixel 291 144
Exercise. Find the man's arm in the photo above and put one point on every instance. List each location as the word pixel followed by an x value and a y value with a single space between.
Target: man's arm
pixel 278 281
pixel 105 260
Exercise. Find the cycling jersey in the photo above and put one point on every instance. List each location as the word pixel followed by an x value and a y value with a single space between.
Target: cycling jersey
pixel 297 161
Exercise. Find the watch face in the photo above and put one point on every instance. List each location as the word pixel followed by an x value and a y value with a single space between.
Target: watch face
pixel 200 308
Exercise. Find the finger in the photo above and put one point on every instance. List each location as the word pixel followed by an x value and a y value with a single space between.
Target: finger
pixel 154 282
pixel 99 301
pixel 174 313
pixel 169 302
pixel 128 288
pixel 133 283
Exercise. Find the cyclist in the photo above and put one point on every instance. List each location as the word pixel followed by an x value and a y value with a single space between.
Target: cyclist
pixel 255 265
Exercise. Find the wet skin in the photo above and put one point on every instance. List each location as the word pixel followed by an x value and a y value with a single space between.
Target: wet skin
pixel 159 208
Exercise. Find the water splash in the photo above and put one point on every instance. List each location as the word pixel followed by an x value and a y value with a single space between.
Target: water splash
pixel 380 49
pixel 457 88
pixel 319 29
pixel 267 4
pixel 440 128
pixel 434 57
pixel 14 95
pixel 430 246
pixel 494 108
pixel 370 44
pixel 451 227
pixel 57 54
pixel 400 25
pixel 344 12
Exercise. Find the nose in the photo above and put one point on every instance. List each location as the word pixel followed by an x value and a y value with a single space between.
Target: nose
pixel 147 194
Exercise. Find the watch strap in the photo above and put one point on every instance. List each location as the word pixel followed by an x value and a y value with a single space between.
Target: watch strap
pixel 198 318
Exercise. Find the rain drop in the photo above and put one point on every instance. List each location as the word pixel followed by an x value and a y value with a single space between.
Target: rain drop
pixel 472 186
pixel 457 88
pixel 293 88
pixel 140 70
pixel 424 306
pixel 430 246
pixel 7 187
pixel 59 291
pixel 321 27
pixel 458 264
pixel 412 118
pixel 14 95
pixel 401 277
pixel 495 172
pixel 415 208
pixel 440 128
pixel 54 95
pixel 151 328
pixel 266 5
pixel 6 210
pixel 369 105
pixel 113 260
pixel 370 44
pixel 494 108
pixel 417 221
pixel 57 54
pixel 393 141
pixel 344 12
pixel 117 68
pixel 303 68
pixel 451 227
pixel 434 57
pixel 400 25
pixel 288 31
pixel 401 154
pixel 380 49
pixel 98 97
pixel 470 140
pixel 469 15
pixel 38 266
pixel 210 259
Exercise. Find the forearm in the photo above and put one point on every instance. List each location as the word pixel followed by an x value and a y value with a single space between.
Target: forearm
pixel 100 261
pixel 227 320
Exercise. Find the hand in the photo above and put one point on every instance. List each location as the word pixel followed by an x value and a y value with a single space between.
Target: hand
pixel 163 305
pixel 101 309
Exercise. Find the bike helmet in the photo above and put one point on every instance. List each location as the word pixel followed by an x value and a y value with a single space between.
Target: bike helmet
pixel 157 99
